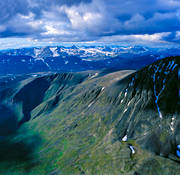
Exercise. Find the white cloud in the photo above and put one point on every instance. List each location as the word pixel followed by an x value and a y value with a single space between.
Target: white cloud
pixel 154 37
pixel 96 20
pixel 136 39
pixel 2 28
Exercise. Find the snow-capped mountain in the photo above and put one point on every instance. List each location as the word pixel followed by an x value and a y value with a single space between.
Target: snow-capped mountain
pixel 79 58
pixel 82 51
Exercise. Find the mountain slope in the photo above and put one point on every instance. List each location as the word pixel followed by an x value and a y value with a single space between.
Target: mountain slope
pixel 123 122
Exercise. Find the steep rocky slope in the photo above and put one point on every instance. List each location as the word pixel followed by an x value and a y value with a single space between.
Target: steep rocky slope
pixel 116 123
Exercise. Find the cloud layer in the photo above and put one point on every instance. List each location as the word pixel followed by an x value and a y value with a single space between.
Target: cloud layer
pixel 91 20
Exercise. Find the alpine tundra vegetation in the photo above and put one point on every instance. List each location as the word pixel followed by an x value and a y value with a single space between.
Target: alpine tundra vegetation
pixel 93 122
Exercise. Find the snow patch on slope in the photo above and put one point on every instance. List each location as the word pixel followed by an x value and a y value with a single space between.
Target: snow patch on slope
pixel 132 149
pixel 125 138
pixel 54 51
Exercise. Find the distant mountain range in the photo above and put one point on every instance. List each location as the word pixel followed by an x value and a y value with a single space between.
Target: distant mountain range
pixel 94 122
pixel 79 58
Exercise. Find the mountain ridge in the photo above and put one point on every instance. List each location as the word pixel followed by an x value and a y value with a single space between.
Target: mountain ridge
pixel 124 122
pixel 78 58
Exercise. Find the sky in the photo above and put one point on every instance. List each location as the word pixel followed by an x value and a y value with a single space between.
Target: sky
pixel 47 22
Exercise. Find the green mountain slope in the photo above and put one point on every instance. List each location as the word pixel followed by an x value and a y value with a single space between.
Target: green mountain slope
pixel 92 123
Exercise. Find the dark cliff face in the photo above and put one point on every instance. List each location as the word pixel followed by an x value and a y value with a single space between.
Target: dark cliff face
pixel 100 123
pixel 152 108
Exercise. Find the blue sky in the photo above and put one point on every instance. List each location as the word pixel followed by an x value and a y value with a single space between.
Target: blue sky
pixel 50 22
